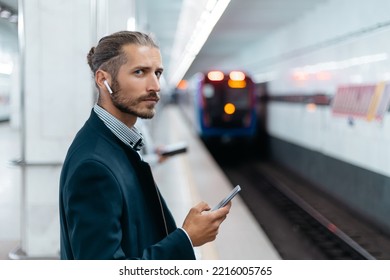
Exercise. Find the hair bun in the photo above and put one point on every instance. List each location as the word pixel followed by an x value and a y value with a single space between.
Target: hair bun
pixel 90 57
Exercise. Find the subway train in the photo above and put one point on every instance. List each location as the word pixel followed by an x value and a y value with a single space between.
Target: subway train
pixel 220 105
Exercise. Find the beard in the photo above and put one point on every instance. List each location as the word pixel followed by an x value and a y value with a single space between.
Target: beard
pixel 134 106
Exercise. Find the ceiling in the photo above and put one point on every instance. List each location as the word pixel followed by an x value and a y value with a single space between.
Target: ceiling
pixel 243 23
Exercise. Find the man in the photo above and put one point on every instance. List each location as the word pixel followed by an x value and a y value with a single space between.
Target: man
pixel 110 206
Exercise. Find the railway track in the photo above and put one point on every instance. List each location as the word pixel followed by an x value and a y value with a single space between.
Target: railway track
pixel 300 221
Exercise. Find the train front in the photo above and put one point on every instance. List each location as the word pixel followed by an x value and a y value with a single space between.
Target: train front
pixel 226 105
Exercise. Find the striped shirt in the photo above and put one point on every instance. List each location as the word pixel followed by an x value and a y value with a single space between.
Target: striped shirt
pixel 130 136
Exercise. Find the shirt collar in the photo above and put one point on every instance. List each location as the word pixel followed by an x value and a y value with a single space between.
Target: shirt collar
pixel 130 136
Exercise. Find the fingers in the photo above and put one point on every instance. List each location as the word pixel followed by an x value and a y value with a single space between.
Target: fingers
pixel 202 225
pixel 223 211
pixel 201 206
pixel 227 206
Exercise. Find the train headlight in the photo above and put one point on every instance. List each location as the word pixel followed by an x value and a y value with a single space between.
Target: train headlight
pixel 216 76
pixel 237 76
pixel 229 108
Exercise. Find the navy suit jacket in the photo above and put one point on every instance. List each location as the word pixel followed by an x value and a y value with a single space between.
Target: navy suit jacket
pixel 110 206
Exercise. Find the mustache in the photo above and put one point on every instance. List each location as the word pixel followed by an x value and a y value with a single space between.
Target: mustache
pixel 152 95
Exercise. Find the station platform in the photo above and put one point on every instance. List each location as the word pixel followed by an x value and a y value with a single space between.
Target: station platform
pixel 189 178
pixel 184 180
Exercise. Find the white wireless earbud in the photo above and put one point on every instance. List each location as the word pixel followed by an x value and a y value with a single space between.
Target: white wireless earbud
pixel 107 86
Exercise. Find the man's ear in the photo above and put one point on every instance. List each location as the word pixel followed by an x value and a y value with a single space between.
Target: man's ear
pixel 100 77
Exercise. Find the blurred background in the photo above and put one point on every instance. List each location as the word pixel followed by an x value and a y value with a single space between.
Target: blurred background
pixel 275 95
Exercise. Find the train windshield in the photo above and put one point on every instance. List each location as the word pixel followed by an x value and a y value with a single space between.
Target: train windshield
pixel 218 94
pixel 238 96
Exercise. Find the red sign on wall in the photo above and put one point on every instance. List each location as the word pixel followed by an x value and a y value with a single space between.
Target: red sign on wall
pixel 366 101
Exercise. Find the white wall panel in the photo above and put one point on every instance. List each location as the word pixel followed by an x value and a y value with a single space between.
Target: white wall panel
pixel 290 122
pixel 363 144
pixel 58 98
pixel 57 81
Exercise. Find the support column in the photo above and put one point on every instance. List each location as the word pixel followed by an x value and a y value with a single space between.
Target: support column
pixel 57 96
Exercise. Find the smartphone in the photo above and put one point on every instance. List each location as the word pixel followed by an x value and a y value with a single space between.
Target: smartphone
pixel 229 197
pixel 173 149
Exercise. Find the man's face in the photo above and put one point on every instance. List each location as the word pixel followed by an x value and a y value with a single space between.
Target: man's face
pixel 138 81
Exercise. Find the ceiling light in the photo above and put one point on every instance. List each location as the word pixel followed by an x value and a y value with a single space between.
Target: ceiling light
pixel 210 15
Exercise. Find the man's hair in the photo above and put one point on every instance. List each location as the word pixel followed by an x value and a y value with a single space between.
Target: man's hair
pixel 108 55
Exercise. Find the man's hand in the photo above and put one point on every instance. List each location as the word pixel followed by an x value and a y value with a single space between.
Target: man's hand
pixel 202 226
